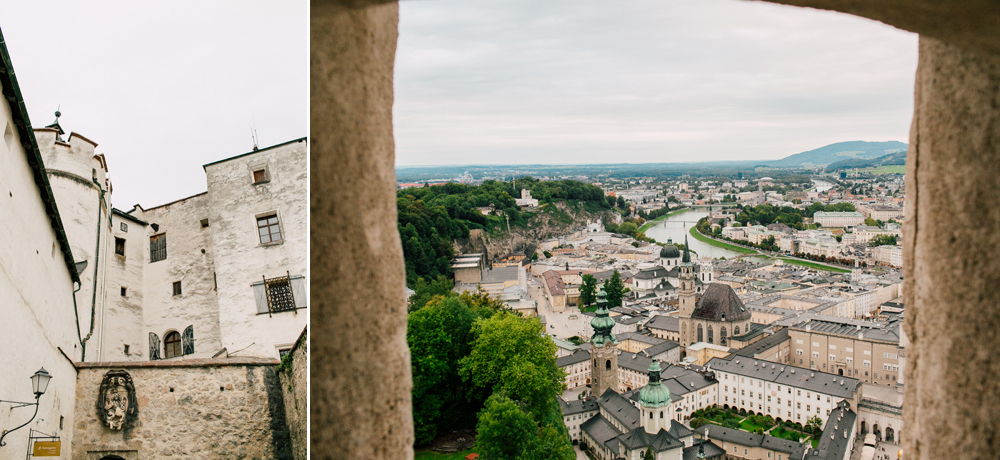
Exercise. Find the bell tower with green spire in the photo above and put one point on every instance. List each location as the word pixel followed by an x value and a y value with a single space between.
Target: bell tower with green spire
pixel 603 349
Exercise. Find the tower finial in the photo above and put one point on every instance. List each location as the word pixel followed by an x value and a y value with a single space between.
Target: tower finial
pixel 687 251
pixel 55 124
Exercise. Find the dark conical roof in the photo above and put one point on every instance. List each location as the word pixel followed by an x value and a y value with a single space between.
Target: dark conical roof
pixel 720 303
pixel 687 251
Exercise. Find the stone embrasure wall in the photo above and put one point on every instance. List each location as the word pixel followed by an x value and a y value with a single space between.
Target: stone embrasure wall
pixel 197 408
pixel 295 389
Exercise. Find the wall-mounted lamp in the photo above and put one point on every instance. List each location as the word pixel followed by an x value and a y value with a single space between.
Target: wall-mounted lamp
pixel 39 383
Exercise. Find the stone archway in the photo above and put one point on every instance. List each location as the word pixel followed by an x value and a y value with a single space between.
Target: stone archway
pixel 889 434
pixel 840 372
pixel 951 227
pixel 877 432
pixel 864 427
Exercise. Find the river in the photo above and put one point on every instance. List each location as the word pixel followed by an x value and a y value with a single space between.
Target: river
pixel 822 186
pixel 674 227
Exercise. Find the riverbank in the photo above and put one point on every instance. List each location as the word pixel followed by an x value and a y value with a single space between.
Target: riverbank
pixel 653 222
pixel 742 250
pixel 720 244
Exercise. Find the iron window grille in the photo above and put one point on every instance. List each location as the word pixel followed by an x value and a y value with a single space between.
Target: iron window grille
pixel 279 294
pixel 157 247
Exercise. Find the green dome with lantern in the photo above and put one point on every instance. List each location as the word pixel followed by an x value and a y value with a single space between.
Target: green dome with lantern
pixel 602 323
pixel 654 394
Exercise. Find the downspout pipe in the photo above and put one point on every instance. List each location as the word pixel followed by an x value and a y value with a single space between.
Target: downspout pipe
pixel 93 299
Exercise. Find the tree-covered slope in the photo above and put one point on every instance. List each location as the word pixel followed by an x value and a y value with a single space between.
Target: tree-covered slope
pixel 841 151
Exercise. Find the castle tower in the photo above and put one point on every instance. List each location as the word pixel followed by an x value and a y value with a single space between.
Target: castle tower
pixel 82 191
pixel 654 402
pixel 603 349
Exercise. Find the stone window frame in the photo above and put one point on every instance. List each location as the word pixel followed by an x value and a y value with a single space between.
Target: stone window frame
pixel 256 167
pixel 281 227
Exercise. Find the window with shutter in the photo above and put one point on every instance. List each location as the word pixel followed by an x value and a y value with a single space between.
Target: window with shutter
pixel 157 247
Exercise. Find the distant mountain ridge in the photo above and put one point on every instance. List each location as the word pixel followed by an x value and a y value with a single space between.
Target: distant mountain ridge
pixel 842 151
pixel 897 158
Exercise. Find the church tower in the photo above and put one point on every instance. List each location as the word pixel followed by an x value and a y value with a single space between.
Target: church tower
pixel 687 297
pixel 654 402
pixel 603 349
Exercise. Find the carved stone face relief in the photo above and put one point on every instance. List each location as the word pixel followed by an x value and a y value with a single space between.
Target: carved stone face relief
pixel 116 402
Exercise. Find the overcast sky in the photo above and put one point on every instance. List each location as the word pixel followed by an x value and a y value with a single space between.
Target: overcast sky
pixel 598 81
pixel 163 87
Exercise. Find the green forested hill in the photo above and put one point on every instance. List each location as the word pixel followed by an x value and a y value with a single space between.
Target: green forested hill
pixel 841 151
pixel 430 218
pixel 897 158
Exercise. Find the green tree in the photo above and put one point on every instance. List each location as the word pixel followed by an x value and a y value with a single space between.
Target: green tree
pixel 615 289
pixel 649 454
pixel 547 254
pixel 512 354
pixel 427 290
pixel 534 256
pixel 438 336
pixel 815 425
pixel 548 444
pixel 882 239
pixel 588 290
pixel 871 222
pixel 505 431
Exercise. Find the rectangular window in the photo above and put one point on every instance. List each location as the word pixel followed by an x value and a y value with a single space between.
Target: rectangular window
pixel 833 357
pixel 260 175
pixel 177 288
pixel 120 246
pixel 284 293
pixel 850 360
pixel 124 291
pixel 267 228
pixel 157 247
pixel 204 223
pixel 124 227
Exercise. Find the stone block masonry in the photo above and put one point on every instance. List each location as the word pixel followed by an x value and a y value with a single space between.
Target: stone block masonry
pixel 295 388
pixel 196 408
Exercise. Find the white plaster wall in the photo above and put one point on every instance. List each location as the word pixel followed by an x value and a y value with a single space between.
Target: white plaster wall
pixel 241 260
pixel 190 261
pixel 70 167
pixel 36 298
pixel 122 316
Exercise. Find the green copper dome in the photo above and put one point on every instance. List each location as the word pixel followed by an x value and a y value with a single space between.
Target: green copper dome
pixel 654 394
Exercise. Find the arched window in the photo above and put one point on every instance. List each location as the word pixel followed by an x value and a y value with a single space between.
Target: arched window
pixel 607 364
pixel 172 345
pixel 700 334
pixel 722 335
pixel 661 416
pixel 736 331
pixel 711 336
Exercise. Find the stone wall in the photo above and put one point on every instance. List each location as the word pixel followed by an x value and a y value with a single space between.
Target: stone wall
pixel 295 389
pixel 196 408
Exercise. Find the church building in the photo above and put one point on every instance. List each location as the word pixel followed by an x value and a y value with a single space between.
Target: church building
pixel 716 316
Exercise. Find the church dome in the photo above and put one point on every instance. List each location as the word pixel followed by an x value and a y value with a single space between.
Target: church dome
pixel 670 252
pixel 654 394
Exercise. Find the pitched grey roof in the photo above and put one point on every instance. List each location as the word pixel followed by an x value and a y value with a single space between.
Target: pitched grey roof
pixel 577 406
pixel 837 433
pixel 661 348
pixel 578 356
pixel 619 408
pixel 600 429
pixel 806 379
pixel 748 439
pixel 720 301
pixel 651 273
pixel 712 451
pixel 639 439
pixel 762 345
pixel 663 322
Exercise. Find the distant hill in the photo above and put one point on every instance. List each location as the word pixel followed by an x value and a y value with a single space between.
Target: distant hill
pixel 897 158
pixel 841 151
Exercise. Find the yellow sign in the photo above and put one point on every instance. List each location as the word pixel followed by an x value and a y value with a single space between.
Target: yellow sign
pixel 46 449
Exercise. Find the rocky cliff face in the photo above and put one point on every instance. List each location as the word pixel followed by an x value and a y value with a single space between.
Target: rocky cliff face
pixel 542 225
